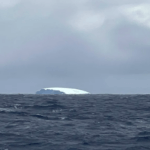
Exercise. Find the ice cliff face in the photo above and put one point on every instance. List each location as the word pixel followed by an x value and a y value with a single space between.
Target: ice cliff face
pixel 61 91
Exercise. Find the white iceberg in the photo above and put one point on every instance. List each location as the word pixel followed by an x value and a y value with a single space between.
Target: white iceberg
pixel 60 90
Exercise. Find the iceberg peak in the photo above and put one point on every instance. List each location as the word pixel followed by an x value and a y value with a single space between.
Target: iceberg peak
pixel 60 90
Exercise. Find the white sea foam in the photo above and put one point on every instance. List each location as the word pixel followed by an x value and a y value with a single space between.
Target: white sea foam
pixel 6 110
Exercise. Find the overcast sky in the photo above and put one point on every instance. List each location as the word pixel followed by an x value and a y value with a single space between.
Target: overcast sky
pixel 99 46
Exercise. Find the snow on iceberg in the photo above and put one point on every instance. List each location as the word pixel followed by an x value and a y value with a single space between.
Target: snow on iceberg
pixel 57 90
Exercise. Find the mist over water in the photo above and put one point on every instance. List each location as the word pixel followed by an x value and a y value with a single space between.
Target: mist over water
pixel 74 122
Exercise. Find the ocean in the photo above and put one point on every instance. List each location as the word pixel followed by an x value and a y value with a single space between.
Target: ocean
pixel 74 122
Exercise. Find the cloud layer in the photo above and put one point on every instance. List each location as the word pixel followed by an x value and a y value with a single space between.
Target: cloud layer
pixel 80 44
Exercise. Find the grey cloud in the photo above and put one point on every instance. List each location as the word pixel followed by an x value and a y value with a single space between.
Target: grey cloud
pixel 40 48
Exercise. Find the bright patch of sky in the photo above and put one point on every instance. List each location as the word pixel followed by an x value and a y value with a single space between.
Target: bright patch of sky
pixel 8 3
pixel 138 13
pixel 87 20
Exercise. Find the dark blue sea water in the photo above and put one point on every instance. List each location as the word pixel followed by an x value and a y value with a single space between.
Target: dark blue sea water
pixel 65 122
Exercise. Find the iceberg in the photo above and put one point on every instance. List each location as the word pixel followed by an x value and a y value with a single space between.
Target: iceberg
pixel 57 90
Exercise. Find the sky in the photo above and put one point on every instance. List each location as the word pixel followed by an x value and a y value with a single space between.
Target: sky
pixel 99 46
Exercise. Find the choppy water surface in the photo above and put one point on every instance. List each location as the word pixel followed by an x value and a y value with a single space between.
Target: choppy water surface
pixel 65 122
